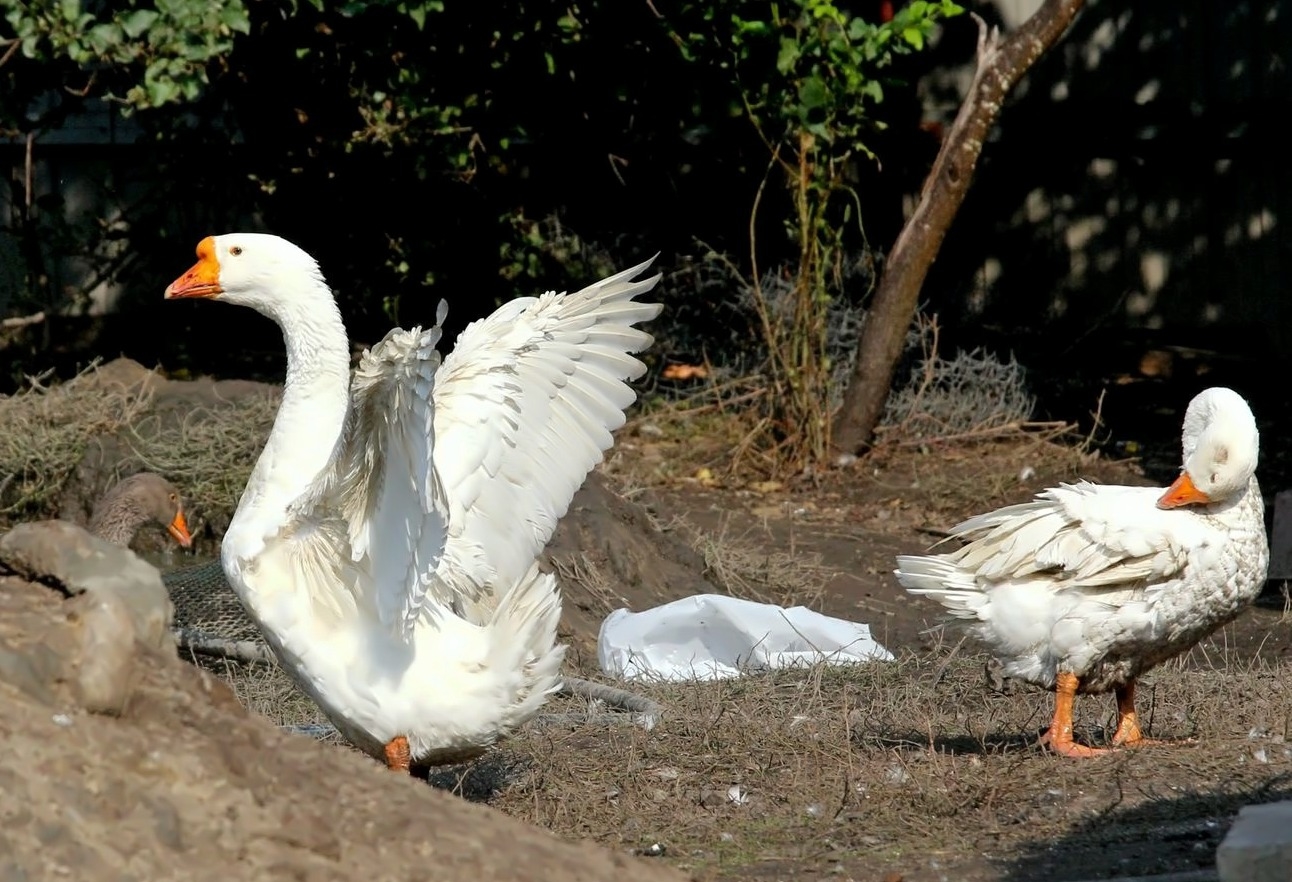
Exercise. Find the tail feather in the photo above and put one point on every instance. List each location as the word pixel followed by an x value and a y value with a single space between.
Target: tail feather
pixel 523 639
pixel 942 580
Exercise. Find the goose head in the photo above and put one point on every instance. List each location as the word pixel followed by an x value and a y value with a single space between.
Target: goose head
pixel 1220 444
pixel 265 272
pixel 133 502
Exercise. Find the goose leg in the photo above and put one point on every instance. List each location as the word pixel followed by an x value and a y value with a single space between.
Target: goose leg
pixel 1059 736
pixel 398 757
pixel 1128 731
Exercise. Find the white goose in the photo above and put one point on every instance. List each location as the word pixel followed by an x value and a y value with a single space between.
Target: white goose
pixel 1087 587
pixel 387 541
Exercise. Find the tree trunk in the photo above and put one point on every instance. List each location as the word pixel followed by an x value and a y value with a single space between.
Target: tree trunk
pixel 1001 63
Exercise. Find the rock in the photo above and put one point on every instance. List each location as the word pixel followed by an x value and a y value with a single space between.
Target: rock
pixel 67 556
pixel 116 613
pixel 106 664
pixel 1281 537
pixel 1258 847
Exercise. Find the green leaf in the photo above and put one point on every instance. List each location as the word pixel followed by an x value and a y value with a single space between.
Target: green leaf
pixel 161 92
pixel 860 29
pixel 138 21
pixel 788 56
pixel 813 93
pixel 101 37
pixel 418 15
pixel 914 37
pixel 235 18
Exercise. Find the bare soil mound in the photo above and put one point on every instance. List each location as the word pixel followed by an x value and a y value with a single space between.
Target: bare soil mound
pixel 186 784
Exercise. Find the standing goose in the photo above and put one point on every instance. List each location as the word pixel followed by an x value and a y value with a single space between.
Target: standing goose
pixel 387 541
pixel 133 502
pixel 1088 586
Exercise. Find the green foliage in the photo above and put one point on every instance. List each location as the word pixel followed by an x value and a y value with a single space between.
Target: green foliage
pixel 423 148
pixel 160 48
pixel 810 77
pixel 810 66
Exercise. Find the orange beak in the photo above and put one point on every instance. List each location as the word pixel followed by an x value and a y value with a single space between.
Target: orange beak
pixel 1182 492
pixel 203 279
pixel 178 528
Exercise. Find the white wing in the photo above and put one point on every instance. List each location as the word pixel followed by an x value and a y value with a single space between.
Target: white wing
pixel 1082 535
pixel 388 491
pixel 524 407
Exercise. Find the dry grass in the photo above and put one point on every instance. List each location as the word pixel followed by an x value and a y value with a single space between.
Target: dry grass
pixel 972 394
pixel 913 767
pixel 694 440
pixel 207 449
pixel 46 432
pixel 742 562
pixel 265 690
pixel 729 422
pixel 714 426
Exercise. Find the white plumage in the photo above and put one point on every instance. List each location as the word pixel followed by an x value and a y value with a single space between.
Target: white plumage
pixel 1088 586
pixel 387 542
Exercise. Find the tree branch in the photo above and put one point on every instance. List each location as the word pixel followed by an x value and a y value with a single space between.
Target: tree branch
pixel 9 52
pixel 1000 64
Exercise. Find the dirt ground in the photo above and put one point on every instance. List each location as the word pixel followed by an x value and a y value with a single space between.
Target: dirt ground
pixel 919 769
pixel 913 770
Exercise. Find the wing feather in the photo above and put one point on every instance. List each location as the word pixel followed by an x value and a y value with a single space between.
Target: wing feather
pixel 524 408
pixel 389 492
pixel 1087 535
pixel 452 475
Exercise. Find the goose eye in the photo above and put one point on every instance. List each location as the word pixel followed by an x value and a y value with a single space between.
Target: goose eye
pixel 174 498
pixel 235 250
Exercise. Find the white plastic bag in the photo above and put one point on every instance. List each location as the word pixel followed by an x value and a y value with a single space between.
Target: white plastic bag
pixel 711 636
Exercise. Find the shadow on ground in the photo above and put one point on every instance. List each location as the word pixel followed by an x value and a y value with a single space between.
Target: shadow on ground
pixel 1166 834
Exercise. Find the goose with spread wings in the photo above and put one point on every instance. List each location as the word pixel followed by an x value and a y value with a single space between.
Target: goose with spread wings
pixel 387 541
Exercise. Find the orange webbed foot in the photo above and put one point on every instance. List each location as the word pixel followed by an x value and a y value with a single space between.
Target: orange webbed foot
pixel 1062 744
pixel 399 757
pixel 1128 732
pixel 1058 737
